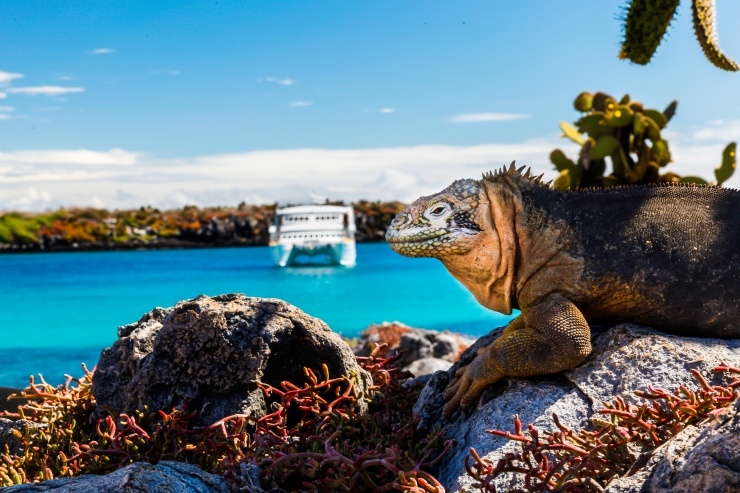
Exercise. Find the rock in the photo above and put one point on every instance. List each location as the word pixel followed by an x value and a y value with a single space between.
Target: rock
pixel 414 345
pixel 140 477
pixel 10 405
pixel 705 459
pixel 212 352
pixel 427 366
pixel 6 434
pixel 625 358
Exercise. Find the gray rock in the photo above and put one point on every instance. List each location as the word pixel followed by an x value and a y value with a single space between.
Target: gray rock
pixel 212 352
pixel 625 358
pixel 699 458
pixel 413 344
pixel 427 366
pixel 6 434
pixel 140 477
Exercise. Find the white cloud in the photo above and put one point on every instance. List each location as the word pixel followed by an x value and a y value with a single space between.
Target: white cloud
pixel 487 117
pixel 31 200
pixel 3 95
pixel 45 90
pixel 101 51
pixel 7 77
pixel 387 110
pixel 126 179
pixel 300 104
pixel 719 130
pixel 65 78
pixel 85 157
pixel 4 112
pixel 283 82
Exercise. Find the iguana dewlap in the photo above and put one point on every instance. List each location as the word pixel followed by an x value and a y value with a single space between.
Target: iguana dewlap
pixel 664 256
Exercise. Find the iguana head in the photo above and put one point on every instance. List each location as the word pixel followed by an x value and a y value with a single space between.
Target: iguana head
pixel 439 225
pixel 470 227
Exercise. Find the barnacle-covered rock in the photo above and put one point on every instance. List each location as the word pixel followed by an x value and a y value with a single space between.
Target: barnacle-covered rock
pixel 210 354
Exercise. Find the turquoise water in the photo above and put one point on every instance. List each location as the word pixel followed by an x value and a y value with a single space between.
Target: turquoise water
pixel 60 309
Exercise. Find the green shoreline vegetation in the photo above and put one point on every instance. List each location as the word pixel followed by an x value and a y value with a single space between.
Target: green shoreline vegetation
pixel 148 227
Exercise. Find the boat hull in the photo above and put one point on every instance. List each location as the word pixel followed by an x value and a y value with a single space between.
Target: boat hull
pixel 286 255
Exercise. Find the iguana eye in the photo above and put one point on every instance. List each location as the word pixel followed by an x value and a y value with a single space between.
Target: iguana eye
pixel 438 210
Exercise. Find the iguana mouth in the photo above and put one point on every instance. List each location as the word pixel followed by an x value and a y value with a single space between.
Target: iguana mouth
pixel 414 239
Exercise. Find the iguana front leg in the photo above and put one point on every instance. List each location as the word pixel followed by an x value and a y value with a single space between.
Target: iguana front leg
pixel 549 336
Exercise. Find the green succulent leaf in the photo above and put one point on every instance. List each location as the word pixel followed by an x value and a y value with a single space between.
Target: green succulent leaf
pixel 594 124
pixel 661 153
pixel 572 133
pixel 729 162
pixel 563 181
pixel 603 102
pixel 658 117
pixel 670 110
pixel 561 161
pixel 653 130
pixel 620 117
pixel 604 147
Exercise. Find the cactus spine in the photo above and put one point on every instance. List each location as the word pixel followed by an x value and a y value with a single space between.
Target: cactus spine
pixel 647 21
pixel 703 15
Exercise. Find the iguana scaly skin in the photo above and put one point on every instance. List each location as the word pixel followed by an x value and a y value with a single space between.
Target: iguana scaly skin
pixel 663 256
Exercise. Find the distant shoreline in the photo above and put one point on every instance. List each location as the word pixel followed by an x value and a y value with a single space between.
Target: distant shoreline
pixel 87 230
pixel 161 244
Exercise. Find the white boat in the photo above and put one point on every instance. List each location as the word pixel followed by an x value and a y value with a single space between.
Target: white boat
pixel 324 233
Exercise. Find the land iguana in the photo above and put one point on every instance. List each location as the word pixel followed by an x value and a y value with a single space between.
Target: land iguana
pixel 664 256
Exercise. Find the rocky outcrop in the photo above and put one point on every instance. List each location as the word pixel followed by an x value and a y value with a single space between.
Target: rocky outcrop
pixel 140 477
pixel 705 459
pixel 625 358
pixel 209 354
pixel 421 351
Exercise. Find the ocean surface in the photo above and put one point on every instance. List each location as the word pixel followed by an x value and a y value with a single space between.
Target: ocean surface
pixel 58 310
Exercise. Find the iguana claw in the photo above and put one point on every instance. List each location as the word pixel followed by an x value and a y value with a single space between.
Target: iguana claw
pixel 470 381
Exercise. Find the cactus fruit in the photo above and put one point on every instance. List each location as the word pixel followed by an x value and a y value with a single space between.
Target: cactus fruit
pixel 584 101
pixel 647 22
pixel 627 134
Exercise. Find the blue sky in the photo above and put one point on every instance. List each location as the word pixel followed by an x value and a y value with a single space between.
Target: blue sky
pixel 182 102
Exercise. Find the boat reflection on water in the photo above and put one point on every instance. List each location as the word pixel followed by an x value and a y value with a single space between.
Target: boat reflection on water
pixel 314 234
pixel 313 270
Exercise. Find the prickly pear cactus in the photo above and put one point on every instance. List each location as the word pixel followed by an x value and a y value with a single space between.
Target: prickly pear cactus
pixel 629 136
pixel 647 21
